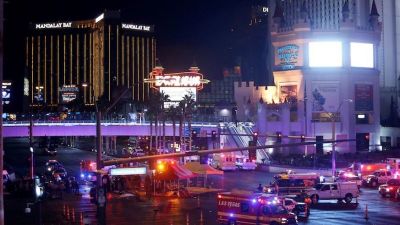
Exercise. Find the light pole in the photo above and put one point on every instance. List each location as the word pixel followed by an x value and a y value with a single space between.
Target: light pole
pixel 333 117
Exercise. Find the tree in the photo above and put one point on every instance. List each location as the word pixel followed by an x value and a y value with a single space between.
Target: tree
pixel 152 112
pixel 173 113
pixel 163 98
pixel 189 105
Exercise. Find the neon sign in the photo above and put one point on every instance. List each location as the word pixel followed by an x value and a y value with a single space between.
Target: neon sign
pixel 177 81
pixel 288 56
pixel 183 79
pixel 136 27
pixel 53 25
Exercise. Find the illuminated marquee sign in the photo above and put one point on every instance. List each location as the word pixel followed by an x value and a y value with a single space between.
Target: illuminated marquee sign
pixel 6 92
pixel 177 81
pixel 184 79
pixel 69 93
pixel 53 25
pixel 287 56
pixel 137 27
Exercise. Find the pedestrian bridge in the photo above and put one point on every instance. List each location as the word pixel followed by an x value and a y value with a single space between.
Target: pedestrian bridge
pixel 88 128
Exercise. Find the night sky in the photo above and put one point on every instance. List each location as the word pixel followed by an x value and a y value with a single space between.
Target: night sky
pixel 185 30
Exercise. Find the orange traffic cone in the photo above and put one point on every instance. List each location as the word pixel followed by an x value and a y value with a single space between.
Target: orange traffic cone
pixel 67 215
pixel 73 214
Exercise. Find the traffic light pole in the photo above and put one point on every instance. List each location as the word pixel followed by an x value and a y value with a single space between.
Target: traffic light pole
pixel 99 147
pixel 333 146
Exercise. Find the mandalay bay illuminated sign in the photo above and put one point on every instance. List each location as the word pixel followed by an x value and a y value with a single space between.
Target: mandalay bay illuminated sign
pixel 53 25
pixel 137 27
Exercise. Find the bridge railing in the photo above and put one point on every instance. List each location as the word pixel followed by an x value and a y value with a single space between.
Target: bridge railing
pixel 92 122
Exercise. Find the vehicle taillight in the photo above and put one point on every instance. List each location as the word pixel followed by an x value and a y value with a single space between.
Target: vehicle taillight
pixel 219 196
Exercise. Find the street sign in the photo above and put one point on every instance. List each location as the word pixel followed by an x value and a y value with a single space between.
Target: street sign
pixel 128 171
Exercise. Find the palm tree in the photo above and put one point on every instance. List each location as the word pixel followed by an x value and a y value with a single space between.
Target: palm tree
pixel 173 113
pixel 181 109
pixel 163 98
pixel 153 111
pixel 189 106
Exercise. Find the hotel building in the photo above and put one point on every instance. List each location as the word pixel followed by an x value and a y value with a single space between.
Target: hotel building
pixel 88 59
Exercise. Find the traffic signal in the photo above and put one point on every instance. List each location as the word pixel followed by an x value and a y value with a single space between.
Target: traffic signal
pixel 302 138
pixel 252 152
pixel 255 137
pixel 214 135
pixel 319 144
pixel 278 137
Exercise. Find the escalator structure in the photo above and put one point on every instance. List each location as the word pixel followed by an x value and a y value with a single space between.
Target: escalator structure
pixel 236 139
pixel 262 154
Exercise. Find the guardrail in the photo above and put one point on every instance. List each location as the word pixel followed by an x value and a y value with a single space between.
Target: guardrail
pixel 93 122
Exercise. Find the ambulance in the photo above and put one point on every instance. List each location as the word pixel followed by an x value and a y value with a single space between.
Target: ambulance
pixel 242 208
pixel 224 161
pixel 364 169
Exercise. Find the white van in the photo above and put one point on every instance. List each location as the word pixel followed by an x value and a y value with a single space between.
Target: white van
pixel 245 163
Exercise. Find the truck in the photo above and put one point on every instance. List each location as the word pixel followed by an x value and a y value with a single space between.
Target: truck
pixel 242 208
pixel 377 178
pixel 329 191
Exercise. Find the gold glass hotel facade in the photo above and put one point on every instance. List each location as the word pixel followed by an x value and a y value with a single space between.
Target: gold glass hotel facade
pixel 88 59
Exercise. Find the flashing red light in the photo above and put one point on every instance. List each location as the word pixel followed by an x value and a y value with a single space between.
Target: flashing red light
pixel 219 196
pixel 367 136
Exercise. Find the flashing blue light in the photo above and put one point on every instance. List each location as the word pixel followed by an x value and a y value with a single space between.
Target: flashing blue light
pixel 82 175
pixel 231 214
pixel 254 201
pixel 89 176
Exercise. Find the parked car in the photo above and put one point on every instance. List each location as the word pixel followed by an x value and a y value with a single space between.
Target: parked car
pixel 340 190
pixel 390 188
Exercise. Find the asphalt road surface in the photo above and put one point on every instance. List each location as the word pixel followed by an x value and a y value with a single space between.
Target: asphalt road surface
pixel 202 210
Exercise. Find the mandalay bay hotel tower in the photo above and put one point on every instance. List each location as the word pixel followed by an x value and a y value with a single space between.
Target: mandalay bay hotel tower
pixel 88 59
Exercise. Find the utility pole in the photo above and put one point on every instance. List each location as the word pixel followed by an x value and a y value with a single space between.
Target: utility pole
pixel 101 194
pixel 31 142
pixel 1 112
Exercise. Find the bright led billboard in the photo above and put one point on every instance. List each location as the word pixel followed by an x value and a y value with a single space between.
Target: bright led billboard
pixel 325 54
pixel 362 55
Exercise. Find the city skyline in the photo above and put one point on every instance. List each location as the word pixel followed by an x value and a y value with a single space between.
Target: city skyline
pixel 182 39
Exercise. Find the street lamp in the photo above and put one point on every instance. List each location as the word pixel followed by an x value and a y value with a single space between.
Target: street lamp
pixel 333 117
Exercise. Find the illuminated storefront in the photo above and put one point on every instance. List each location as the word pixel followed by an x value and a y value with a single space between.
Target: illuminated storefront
pixel 177 85
pixel 104 53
